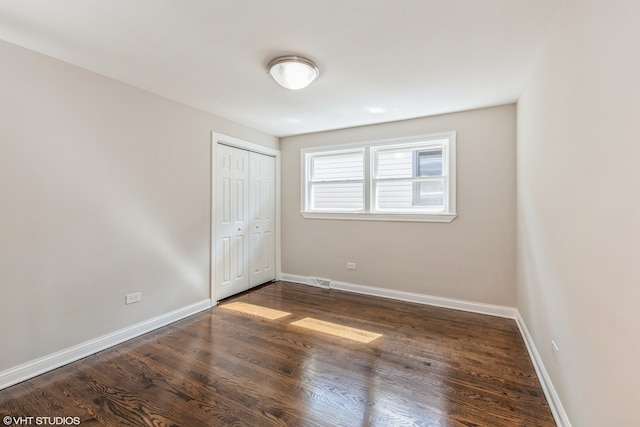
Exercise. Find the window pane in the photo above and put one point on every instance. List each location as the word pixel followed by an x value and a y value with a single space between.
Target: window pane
pixel 394 195
pixel 339 196
pixel 429 163
pixel 429 193
pixel 337 166
pixel 395 163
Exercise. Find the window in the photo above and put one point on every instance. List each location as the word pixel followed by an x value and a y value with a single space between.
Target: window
pixel 402 180
pixel 336 181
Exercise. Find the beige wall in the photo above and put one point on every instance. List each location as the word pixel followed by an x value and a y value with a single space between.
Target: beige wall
pixel 104 191
pixel 579 211
pixel 471 258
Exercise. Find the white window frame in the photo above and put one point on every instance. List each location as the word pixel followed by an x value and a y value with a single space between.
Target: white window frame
pixel 447 140
pixel 309 181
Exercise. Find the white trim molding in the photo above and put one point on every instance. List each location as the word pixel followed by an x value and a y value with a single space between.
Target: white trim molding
pixel 559 414
pixel 455 304
pixel 55 360
pixel 369 216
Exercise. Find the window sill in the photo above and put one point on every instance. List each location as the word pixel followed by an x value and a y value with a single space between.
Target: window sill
pixel 400 217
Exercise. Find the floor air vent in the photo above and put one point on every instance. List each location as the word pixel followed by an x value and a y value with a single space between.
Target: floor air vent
pixel 321 283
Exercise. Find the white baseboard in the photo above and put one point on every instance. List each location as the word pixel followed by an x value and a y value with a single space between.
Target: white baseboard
pixel 559 414
pixel 52 361
pixel 294 278
pixel 456 304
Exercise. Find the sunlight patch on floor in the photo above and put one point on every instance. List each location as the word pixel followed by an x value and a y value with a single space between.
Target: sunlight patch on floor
pixel 255 310
pixel 337 330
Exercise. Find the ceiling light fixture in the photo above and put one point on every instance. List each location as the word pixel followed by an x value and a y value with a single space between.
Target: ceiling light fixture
pixel 293 72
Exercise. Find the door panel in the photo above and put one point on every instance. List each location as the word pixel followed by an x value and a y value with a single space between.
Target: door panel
pixel 232 221
pixel 225 256
pixel 262 208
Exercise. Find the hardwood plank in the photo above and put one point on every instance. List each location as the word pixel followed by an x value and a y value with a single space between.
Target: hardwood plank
pixel 430 367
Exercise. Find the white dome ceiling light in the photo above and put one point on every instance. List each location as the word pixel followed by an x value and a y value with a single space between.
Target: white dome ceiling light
pixel 293 72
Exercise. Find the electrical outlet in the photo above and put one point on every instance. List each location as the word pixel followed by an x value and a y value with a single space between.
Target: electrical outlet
pixel 351 266
pixel 556 352
pixel 131 298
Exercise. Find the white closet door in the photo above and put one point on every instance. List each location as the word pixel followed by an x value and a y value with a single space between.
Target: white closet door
pixel 244 220
pixel 261 211
pixel 232 221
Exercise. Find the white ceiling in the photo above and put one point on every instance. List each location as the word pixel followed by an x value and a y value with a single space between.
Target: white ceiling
pixel 379 60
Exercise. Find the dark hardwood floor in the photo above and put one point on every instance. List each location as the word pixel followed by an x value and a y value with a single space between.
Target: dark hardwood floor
pixel 430 367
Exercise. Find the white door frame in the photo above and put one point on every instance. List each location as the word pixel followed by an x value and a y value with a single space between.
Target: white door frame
pixel 218 138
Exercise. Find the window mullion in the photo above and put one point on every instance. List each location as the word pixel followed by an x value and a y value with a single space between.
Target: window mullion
pixel 308 181
pixel 368 180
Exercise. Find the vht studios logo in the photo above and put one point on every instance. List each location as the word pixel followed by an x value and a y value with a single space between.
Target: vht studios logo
pixel 41 421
